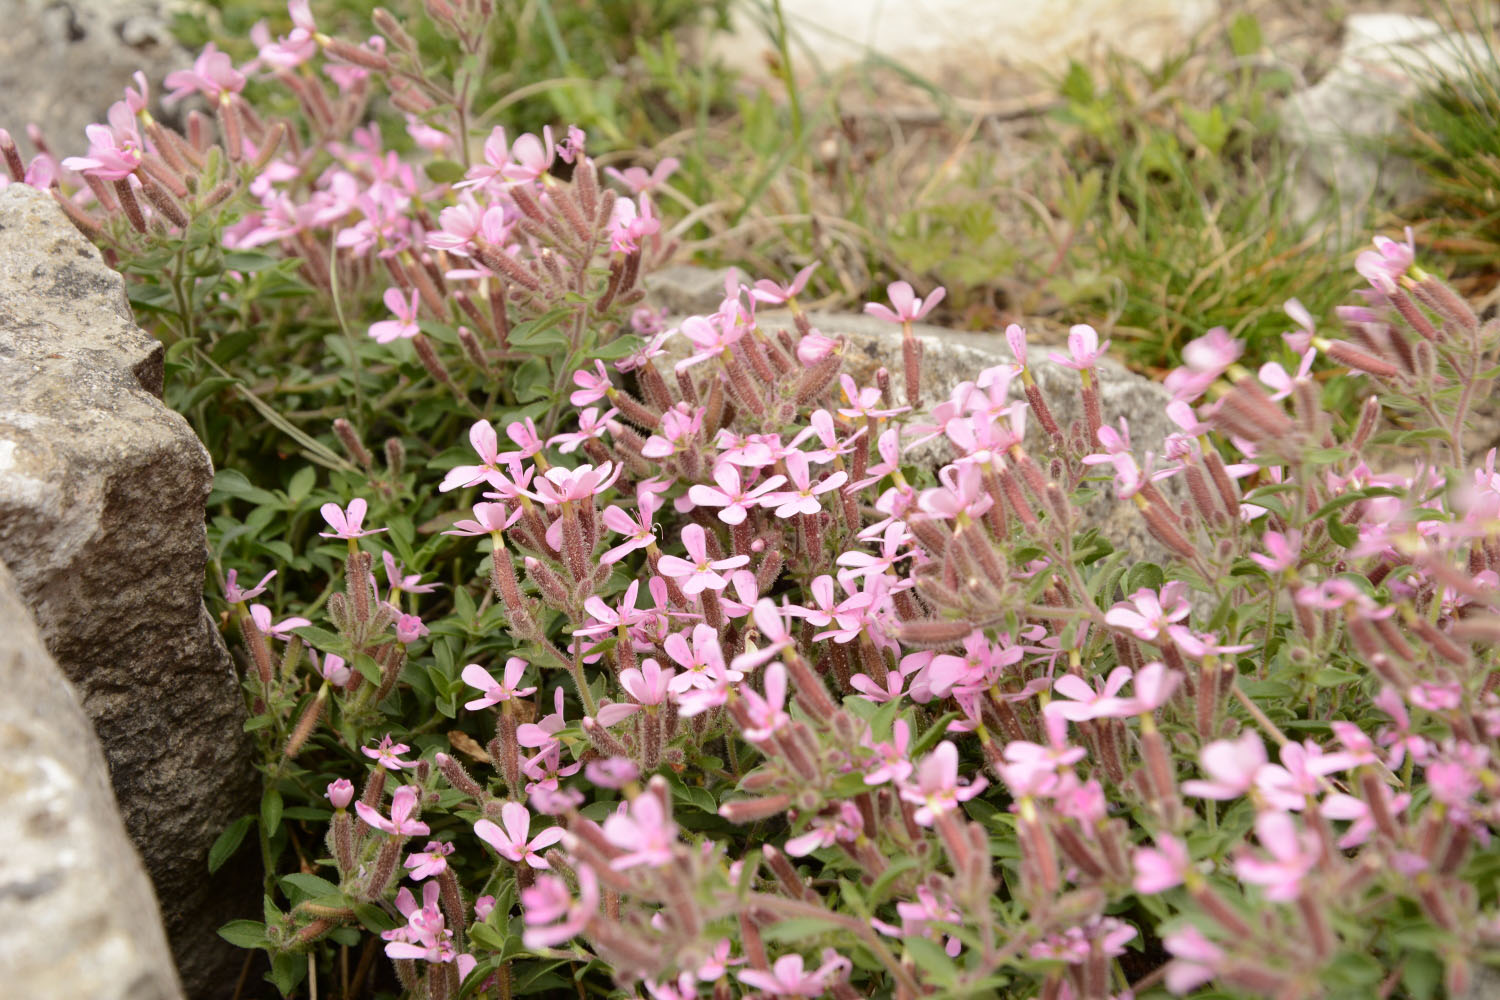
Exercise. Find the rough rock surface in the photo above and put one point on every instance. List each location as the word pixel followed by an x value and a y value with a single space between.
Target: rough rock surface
pixel 1345 118
pixel 77 915
pixel 64 62
pixel 101 522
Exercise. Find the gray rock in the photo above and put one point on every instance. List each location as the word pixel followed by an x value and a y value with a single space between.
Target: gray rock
pixel 1344 121
pixel 687 290
pixel 101 520
pixel 64 62
pixel 77 914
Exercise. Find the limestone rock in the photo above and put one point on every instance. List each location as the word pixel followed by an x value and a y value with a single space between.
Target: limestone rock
pixel 963 40
pixel 101 521
pixel 77 914
pixel 64 62
pixel 1343 120
pixel 687 290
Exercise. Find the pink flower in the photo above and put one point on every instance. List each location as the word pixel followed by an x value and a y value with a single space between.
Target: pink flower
pixel 679 428
pixel 403 802
pixel 486 445
pixel 936 788
pixel 787 977
pixel 1195 959
pixel 803 497
pixel 1154 685
pixel 644 831
pixel 511 842
pixel 213 75
pixel 489 519
pixel 347 523
pixel 648 684
pixel 340 793
pixel 767 714
pixel 531 158
pixel 405 309
pixel 891 761
pixel 401 581
pixel 1084 349
pixel 1088 703
pixel 909 308
pixel 1159 868
pixel 115 150
pixel 769 291
pixel 559 485
pixel 1387 262
pixel 730 495
pixel 494 691
pixel 388 754
pixel 334 670
pixel 409 629
pixel 1283 552
pixel 1232 764
pixel 591 425
pixel 261 615
pixel 702 660
pixel 1292 855
pixel 234 595
pixel 433 860
pixel 551 915
pixel 637 180
pixel 698 572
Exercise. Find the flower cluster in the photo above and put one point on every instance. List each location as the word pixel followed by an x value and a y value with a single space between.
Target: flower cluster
pixel 758 674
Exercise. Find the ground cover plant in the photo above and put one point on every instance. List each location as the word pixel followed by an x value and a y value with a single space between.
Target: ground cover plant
pixel 586 655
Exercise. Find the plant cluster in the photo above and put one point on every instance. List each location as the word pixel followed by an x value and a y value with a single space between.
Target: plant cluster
pixel 706 669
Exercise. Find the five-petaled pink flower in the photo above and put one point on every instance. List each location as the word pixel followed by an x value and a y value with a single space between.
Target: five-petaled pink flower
pixel 698 572
pixel 731 495
pixel 644 831
pixel 347 523
pixel 1084 349
pixel 431 860
pixel 494 691
pixel 403 802
pixel 802 498
pixel 936 788
pixel 511 842
pixel 388 754
pixel 789 978
pixel 909 308
pixel 405 309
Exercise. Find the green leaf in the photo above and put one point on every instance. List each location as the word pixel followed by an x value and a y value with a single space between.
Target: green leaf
pixel 247 260
pixel 232 483
pixel 208 387
pixel 931 958
pixel 488 937
pixel 288 969
pixel 1421 974
pixel 301 484
pixel 1333 677
pixel 310 885
pixel 930 738
pixel 373 918
pixel 228 842
pixel 270 810
pixel 445 171
pixel 244 933
pixel 798 928
pixel 1244 35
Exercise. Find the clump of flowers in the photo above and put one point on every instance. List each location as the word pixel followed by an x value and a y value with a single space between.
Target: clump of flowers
pixel 740 691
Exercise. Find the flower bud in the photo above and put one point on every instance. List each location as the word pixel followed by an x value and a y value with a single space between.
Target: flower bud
pixel 340 793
